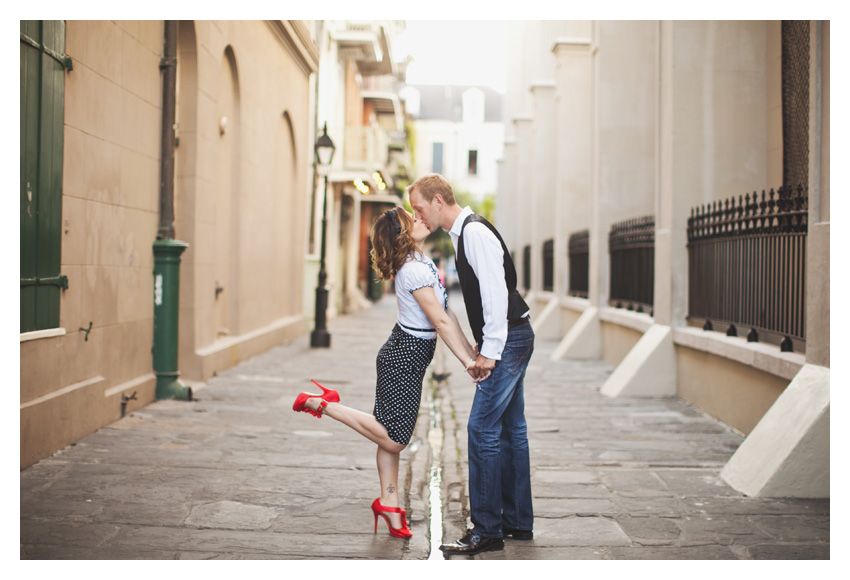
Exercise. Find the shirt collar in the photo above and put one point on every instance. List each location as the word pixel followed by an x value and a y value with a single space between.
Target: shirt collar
pixel 458 225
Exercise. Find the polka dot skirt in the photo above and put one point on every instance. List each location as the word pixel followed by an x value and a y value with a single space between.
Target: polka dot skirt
pixel 401 367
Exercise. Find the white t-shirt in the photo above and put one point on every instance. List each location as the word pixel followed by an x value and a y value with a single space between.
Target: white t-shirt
pixel 417 273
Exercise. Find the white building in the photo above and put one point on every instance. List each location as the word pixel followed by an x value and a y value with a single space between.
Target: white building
pixel 356 90
pixel 641 135
pixel 458 133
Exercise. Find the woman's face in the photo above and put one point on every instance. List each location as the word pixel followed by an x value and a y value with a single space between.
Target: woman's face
pixel 420 231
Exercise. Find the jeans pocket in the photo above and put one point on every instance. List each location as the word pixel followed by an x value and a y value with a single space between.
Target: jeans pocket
pixel 517 353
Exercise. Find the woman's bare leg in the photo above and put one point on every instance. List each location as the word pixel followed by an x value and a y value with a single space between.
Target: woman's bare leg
pixel 361 422
pixel 388 473
pixel 388 450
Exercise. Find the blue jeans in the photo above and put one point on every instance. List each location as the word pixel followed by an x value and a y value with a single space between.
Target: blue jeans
pixel 499 466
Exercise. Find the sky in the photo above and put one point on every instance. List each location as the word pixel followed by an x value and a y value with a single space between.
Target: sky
pixel 454 52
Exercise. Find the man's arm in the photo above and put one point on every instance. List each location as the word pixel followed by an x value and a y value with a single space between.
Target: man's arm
pixel 485 256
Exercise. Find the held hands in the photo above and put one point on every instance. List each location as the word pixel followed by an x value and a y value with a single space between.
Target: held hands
pixel 479 369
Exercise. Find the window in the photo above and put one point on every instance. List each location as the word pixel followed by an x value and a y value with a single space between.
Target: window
pixel 472 101
pixel 473 162
pixel 43 64
pixel 437 163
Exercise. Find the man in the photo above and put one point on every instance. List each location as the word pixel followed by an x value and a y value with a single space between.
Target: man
pixel 499 468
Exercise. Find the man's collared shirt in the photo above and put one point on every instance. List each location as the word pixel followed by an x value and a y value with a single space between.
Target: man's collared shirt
pixel 484 253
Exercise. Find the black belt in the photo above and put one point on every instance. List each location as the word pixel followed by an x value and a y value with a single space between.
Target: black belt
pixel 513 323
pixel 415 329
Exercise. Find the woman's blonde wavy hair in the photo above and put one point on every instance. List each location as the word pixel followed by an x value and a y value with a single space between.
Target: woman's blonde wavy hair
pixel 391 242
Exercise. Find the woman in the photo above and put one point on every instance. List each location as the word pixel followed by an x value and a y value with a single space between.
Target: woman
pixel 423 313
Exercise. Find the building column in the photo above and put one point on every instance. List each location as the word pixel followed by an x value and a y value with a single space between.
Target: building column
pixel 787 453
pixel 543 200
pixel 506 198
pixel 523 184
pixel 573 179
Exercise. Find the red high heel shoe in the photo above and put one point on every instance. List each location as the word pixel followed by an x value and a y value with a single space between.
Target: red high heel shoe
pixel 327 396
pixel 403 531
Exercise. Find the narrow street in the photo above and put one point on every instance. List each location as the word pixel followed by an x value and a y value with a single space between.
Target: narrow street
pixel 236 474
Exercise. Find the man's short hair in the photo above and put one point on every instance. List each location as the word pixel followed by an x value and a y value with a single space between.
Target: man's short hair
pixel 430 185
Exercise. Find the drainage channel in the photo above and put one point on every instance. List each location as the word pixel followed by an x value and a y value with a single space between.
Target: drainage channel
pixel 435 496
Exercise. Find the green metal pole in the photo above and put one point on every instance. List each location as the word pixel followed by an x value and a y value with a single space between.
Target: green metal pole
pixel 167 250
pixel 166 293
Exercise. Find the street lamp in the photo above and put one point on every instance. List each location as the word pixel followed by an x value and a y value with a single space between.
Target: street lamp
pixel 320 336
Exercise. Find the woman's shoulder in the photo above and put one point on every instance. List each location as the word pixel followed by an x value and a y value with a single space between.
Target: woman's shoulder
pixel 412 266
pixel 416 273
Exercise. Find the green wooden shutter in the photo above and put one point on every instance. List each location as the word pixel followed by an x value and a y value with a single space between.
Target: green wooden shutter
pixel 43 64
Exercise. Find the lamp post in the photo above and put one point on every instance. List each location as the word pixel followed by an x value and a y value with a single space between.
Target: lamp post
pixel 320 336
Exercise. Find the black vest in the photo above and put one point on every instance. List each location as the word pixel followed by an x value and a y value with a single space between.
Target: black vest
pixel 472 292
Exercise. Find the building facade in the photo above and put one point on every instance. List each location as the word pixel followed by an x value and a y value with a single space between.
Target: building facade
pixel 665 192
pixel 458 133
pixel 91 185
pixel 357 100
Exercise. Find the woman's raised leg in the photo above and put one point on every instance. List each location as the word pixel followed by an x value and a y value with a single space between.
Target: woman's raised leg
pixel 361 422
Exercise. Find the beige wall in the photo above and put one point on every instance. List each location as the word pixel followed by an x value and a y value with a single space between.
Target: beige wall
pixel 617 341
pixel 712 136
pixel 568 318
pixel 71 385
pixel 240 200
pixel 627 118
pixel 736 394
pixel 773 101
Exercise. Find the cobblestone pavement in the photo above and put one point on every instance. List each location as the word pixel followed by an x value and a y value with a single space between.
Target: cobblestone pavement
pixel 237 475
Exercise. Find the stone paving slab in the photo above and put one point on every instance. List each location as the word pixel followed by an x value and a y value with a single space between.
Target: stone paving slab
pixel 237 475
pixel 633 478
pixel 234 474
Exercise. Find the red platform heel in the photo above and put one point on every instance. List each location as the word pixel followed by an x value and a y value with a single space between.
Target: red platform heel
pixel 327 396
pixel 403 531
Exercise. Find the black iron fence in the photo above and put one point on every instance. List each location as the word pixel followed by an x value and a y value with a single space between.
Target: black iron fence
pixel 548 265
pixel 578 250
pixel 747 266
pixel 631 244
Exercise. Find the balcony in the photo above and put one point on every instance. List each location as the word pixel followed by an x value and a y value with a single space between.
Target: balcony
pixel 387 109
pixel 366 148
pixel 366 44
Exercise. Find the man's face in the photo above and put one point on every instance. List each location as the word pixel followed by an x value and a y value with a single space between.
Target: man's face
pixel 429 213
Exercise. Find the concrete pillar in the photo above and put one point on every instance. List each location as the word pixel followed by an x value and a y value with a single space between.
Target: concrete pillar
pixel 573 164
pixel 523 183
pixel 583 340
pixel 542 177
pixel 787 453
pixel 507 198
pixel 649 370
pixel 817 252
